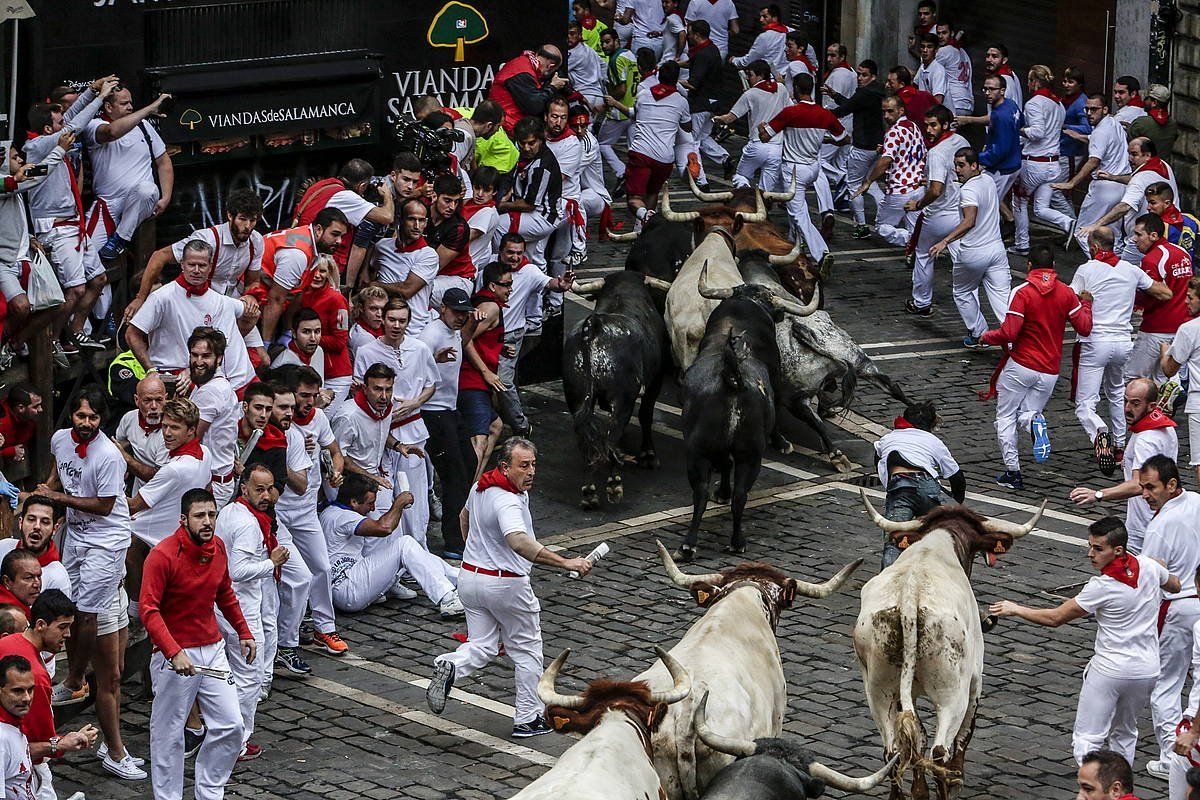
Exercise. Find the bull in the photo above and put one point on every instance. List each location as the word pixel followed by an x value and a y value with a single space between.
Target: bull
pixel 918 633
pixel 616 353
pixel 773 769
pixel 661 248
pixel 731 652
pixel 820 365
pixel 619 719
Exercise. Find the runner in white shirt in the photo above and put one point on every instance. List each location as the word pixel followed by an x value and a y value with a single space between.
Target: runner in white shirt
pixel 841 78
pixel 1127 100
pixel 219 407
pixel 977 249
pixel 159 331
pixel 16 698
pixel 594 197
pixel 673 32
pixel 304 349
pixel 362 426
pixel 1185 352
pixel 139 433
pixel 939 205
pixel 1124 597
pixel 406 265
pixel 957 64
pixel 568 151
pixel 931 75
pixel 760 104
pixel 1040 165
pixel 1106 153
pixel 1146 167
pixel 368 316
pixel 482 218
pixel 1152 433
pixel 584 68
pixel 646 18
pixel 37 521
pixel 722 19
pixel 769 44
pixel 155 507
pixel 1171 538
pixel 659 114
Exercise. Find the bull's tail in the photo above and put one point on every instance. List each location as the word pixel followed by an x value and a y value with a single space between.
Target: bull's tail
pixel 909 736
pixel 868 370
pixel 731 372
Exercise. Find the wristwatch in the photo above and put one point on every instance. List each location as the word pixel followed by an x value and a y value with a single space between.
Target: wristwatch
pixel 1099 495
pixel 54 751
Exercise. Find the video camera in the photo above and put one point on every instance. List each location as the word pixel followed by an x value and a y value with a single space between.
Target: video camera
pixel 431 146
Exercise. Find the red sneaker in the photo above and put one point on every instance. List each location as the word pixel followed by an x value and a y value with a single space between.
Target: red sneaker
pixel 250 751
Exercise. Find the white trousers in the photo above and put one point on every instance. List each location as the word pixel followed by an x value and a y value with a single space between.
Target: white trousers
pixel 415 520
pixel 1102 375
pixel 247 677
pixel 1174 661
pixel 311 547
pixel 341 386
pixel 1004 182
pixel 1049 205
pixel 1023 393
pixel 373 574
pixel 128 211
pixel 611 131
pixel 223 493
pixel 43 782
pixel 1144 359
pixel 1107 713
pixel 987 267
pixel 536 229
pixel 892 222
pixel 1177 782
pixel 764 158
pixel 833 164
pixel 173 698
pixel 702 126
pixel 931 231
pixel 858 165
pixel 502 611
pixel 1100 198
pixel 806 176
pixel 281 627
pixel 594 201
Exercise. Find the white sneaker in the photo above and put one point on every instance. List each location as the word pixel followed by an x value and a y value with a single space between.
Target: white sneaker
pixel 401 592
pixel 1160 768
pixel 451 607
pixel 124 769
pixel 102 753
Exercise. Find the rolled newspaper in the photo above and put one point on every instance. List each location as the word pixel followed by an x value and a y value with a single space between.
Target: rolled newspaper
pixel 251 443
pixel 600 552
pixel 213 672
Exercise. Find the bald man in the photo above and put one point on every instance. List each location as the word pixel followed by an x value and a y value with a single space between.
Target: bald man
pixel 139 433
pixel 526 83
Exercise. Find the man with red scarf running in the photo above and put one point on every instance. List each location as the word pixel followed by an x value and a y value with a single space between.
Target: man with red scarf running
pixel 1161 318
pixel 770 44
pixel 1040 166
pixel 495 589
pixel 1124 597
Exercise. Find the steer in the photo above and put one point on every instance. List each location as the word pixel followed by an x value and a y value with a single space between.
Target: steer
pixel 613 759
pixel 730 651
pixel 661 248
pixel 615 354
pixel 729 398
pixel 918 633
pixel 773 769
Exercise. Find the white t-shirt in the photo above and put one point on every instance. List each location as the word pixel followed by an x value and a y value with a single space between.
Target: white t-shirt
pixel 289 356
pixel 121 164
pixel 340 524
pixel 320 430
pixel 647 17
pixel 655 125
pixel 54 574
pixel 1135 198
pixel 759 105
pixel 1171 538
pixel 163 493
pixel 980 192
pixel 351 204
pixel 363 440
pixel 1042 132
pixel 394 262
pixel 16 763
pixel 957 64
pixel 145 447
pixel 586 71
pixel 169 316
pixel 718 15
pixel 233 260
pixel 1126 621
pixel 1139 449
pixel 933 79
pixel 528 284
pixel 917 447
pixel 437 337
pixel 221 409
pixel 493 514
pixel 1113 289
pixel 1107 142
pixel 359 337
pixel 298 460
pixel 415 372
pixel 249 561
pixel 939 166
pixel 568 151
pixel 673 25
pixel 100 474
pixel 485 220
pixel 1185 349
pixel 845 82
pixel 1127 114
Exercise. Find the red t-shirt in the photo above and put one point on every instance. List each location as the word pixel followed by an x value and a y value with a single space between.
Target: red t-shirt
pixel 1172 265
pixel 334 312
pixel 38 724
pixel 1037 316
pixel 14 429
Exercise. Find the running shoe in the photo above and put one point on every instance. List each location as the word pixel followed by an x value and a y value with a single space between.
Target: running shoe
pixel 401 592
pixel 439 686
pixel 1160 768
pixel 102 753
pixel 124 769
pixel 1018 251
pixel 619 190
pixel 250 751
pixel 527 730
pixel 1010 479
pixel 974 343
pixel 307 631
pixel 1104 454
pixel 63 694
pixel 920 311
pixel 827 223
pixel 331 643
pixel 292 661
pixel 861 232
pixel 192 739
pixel 693 168
pixel 451 607
pixel 111 251
pixel 1039 432
pixel 86 342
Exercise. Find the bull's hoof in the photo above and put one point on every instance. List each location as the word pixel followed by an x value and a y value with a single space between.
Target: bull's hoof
pixel 615 492
pixel 648 459
pixel 990 621
pixel 684 553
pixel 840 462
pixel 589 500
pixel 719 497
pixel 781 444
pixel 735 548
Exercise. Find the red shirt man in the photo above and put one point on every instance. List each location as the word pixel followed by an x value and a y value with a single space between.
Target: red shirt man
pixel 19 413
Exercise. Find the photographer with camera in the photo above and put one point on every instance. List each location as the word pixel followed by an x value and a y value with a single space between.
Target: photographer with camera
pixel 449 163
pixel 404 182
pixel 346 194
pixel 524 84
pixel 473 124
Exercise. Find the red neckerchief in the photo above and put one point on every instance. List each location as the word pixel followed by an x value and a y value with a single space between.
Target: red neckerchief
pixel 192 291
pixel 146 427
pixel 645 75
pixel 1136 100
pixel 1004 69
pixel 906 93
pixel 1044 92
pixel 1155 165
pixel 778 27
pixel 567 133
pixel 1159 115
pixel 769 86
pixel 49 555
pixel 494 477
pixel 7 596
pixel 900 423
pixel 696 48
pixel 1155 420
pixel 533 62
pixel 189 448
pixel 266 523
pixel 272 438
pixel 587 21
pixel 204 552
pixel 842 65
pixel 376 332
pixel 298 419
pixel 412 246
pixel 9 718
pixel 1172 216
pixel 1107 256
pixel 305 358
pixel 470 208
pixel 1070 99
pixel 1124 569
pixel 30 135
pixel 661 90
pixel 946 135
pixel 360 398
pixel 524 262
pixel 81 445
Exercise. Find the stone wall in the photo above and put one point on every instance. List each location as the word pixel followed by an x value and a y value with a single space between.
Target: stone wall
pixel 1186 104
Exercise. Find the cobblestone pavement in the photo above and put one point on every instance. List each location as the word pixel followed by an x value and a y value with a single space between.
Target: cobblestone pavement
pixel 359 727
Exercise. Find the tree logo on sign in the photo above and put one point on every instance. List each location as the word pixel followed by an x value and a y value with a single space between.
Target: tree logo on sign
pixel 190 119
pixel 457 25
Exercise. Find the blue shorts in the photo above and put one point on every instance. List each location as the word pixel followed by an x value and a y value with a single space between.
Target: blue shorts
pixel 476 411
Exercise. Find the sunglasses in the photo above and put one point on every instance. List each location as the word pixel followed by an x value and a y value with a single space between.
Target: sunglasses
pixel 502 283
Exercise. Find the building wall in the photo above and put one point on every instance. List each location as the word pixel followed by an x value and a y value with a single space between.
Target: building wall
pixel 1186 104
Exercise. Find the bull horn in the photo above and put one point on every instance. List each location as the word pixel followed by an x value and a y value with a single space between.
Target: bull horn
pixel 708 197
pixel 678 577
pixel 797 309
pixel 786 258
pixel 1011 528
pixel 657 283
pixel 820 590
pixel 545 688
pixel 760 210
pixel 885 524
pixel 729 745
pixel 664 208
pixel 783 196
pixel 631 236
pixel 708 291
pixel 588 287
pixel 683 680
pixel 844 782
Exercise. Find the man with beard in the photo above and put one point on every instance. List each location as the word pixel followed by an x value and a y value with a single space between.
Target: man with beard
pixel 569 244
pixel 38 519
pixel 219 408
pixel 139 433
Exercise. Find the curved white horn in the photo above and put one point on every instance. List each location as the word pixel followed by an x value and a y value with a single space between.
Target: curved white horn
pixel 545 688
pixel 631 236
pixel 885 524
pixel 847 784
pixel 657 283
pixel 760 210
pixel 708 197
pixel 588 287
pixel 678 577
pixel 708 291
pixel 793 307
pixel 819 590
pixel 786 258
pixel 1011 528
pixel 783 196
pixel 664 208
pixel 729 745
pixel 683 680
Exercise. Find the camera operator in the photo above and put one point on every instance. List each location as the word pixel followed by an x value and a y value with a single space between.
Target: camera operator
pixel 404 182
pixel 345 193
pixel 443 125
pixel 478 123
pixel 524 84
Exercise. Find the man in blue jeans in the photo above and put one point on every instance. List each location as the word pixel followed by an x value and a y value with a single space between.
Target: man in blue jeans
pixel 911 460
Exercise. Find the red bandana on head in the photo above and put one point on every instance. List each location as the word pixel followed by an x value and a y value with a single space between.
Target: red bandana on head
pixel 494 477
pixel 81 445
pixel 900 423
pixel 1124 569
pixel 360 399
pixel 189 448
